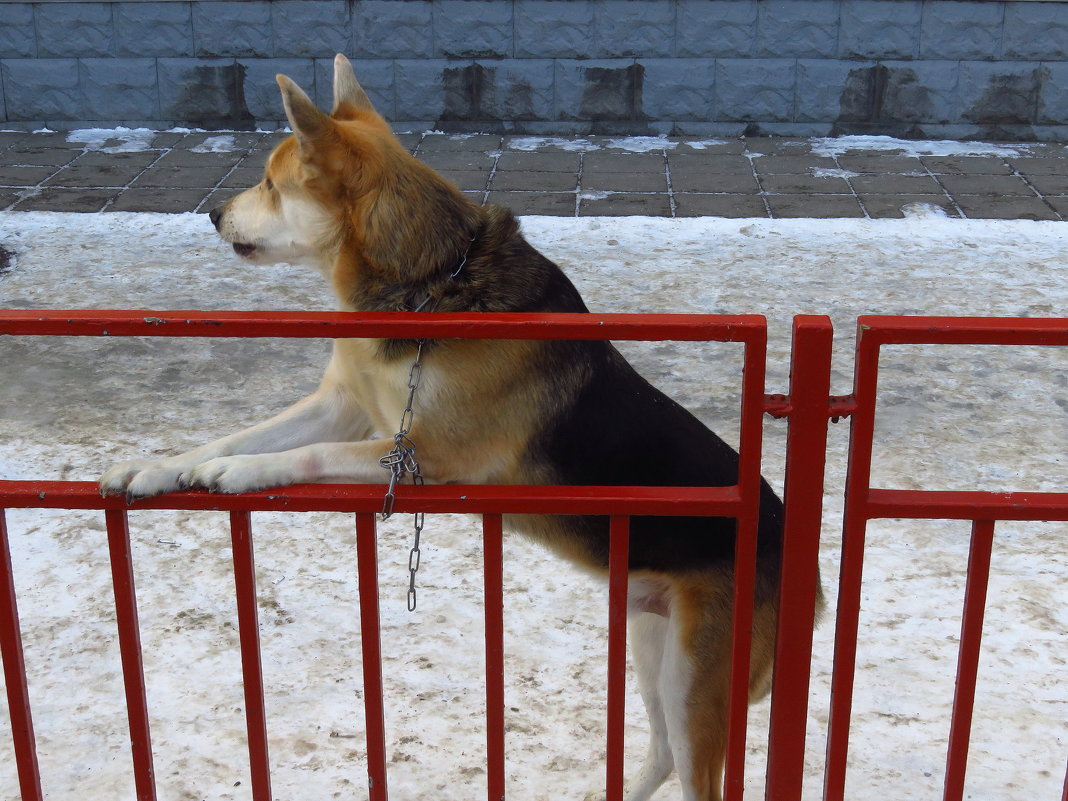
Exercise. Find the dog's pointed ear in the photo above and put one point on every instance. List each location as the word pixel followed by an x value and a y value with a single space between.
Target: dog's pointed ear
pixel 305 118
pixel 348 94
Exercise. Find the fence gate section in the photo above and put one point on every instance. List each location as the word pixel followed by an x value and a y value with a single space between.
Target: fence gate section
pixel 808 406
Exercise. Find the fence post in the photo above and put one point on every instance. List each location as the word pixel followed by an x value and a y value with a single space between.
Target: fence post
pixel 18 697
pixel 806 456
pixel 133 672
pixel 251 661
pixel 371 639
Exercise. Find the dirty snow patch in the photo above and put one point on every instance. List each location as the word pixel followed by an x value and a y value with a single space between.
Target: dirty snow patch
pixel 836 146
pixel 113 140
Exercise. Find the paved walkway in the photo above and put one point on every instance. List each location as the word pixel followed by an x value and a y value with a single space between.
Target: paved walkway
pixel 758 177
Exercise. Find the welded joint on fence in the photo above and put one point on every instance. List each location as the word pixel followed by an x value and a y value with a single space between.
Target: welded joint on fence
pixel 838 406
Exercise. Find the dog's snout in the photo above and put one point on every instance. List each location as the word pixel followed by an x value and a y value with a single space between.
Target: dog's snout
pixel 215 215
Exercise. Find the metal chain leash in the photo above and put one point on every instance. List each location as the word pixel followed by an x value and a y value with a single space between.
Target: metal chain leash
pixel 401 461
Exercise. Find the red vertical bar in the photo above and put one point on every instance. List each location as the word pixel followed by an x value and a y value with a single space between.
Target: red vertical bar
pixel 806 456
pixel 1064 792
pixel 371 637
pixel 493 559
pixel 133 673
pixel 618 555
pixel 18 696
pixel 745 550
pixel 858 480
pixel 971 637
pixel 251 663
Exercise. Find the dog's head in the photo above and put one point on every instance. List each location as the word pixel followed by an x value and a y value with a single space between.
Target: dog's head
pixel 344 195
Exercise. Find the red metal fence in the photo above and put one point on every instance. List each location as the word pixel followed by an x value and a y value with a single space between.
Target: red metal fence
pixel 808 407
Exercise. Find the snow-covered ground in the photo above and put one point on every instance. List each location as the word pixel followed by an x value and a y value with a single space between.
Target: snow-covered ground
pixel 957 418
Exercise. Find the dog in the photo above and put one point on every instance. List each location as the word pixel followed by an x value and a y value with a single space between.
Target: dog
pixel 389 234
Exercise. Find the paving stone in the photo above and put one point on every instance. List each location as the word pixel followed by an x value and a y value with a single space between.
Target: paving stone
pixel 539 162
pixel 1050 184
pixel 170 201
pixel 478 143
pixel 242 178
pixel 986 185
pixel 37 156
pixel 182 177
pixel 115 171
pixel 697 145
pixel 1060 205
pixel 457 160
pixel 1004 208
pixel 970 165
pixel 803 185
pixel 8 198
pixel 820 207
pixel 725 205
pixel 625 181
pixel 466 179
pixel 776 146
pixel 883 165
pixel 556 204
pixel 892 206
pixel 25 176
pixel 526 180
pixel 190 158
pixel 623 162
pixel 696 181
pixel 214 199
pixel 709 163
pixel 895 184
pixel 1041 166
pixel 623 203
pixel 57 199
pixel 791 165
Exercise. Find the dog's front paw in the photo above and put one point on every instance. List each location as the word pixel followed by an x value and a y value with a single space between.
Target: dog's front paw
pixel 233 474
pixel 142 478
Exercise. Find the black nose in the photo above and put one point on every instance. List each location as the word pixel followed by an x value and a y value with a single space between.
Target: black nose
pixel 215 215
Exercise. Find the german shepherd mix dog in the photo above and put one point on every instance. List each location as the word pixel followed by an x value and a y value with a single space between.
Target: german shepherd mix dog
pixel 388 232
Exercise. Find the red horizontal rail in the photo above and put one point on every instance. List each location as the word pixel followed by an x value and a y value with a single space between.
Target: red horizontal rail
pixel 890 330
pixel 678 327
pixel 459 498
pixel 969 505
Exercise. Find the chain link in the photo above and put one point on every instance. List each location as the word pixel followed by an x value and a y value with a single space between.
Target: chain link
pixel 401 461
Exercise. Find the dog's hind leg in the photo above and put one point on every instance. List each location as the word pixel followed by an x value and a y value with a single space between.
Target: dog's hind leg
pixel 648 637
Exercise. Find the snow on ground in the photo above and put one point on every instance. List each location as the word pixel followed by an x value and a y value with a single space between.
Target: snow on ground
pixel 837 145
pixel 951 418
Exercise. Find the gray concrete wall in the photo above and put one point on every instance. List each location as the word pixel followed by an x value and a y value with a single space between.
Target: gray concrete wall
pixel 921 68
